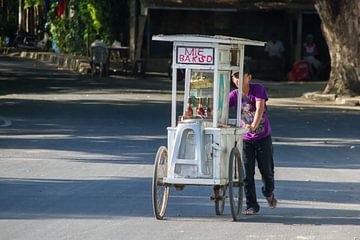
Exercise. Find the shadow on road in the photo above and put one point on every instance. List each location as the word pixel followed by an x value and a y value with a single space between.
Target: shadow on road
pixel 115 129
pixel 131 197
pixel 24 76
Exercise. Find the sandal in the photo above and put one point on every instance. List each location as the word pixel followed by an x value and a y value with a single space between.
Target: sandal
pixel 272 201
pixel 250 211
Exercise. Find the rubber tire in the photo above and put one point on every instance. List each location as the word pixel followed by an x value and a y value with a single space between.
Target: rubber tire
pixel 160 192
pixel 236 185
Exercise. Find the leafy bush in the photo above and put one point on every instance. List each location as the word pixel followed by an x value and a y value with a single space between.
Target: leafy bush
pixel 72 34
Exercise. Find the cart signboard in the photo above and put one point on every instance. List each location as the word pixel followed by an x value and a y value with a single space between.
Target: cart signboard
pixel 195 55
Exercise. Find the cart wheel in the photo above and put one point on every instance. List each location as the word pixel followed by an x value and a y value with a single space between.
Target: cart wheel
pixel 160 192
pixel 236 190
pixel 219 199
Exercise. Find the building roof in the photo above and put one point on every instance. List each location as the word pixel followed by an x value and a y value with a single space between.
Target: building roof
pixel 229 5
pixel 207 39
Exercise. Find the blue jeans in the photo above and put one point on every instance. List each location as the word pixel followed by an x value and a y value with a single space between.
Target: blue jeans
pixel 260 151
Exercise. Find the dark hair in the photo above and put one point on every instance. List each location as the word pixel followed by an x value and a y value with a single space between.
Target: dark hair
pixel 235 74
pixel 246 71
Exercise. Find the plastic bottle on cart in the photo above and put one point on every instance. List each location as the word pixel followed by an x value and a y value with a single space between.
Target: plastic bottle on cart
pixel 200 110
pixel 207 108
pixel 189 112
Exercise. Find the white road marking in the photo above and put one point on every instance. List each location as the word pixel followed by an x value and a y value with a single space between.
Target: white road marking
pixel 5 121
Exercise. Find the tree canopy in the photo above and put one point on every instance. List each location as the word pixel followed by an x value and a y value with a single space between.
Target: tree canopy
pixel 83 20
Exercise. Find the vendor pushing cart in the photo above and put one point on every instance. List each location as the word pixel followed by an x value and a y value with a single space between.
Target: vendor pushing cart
pixel 200 150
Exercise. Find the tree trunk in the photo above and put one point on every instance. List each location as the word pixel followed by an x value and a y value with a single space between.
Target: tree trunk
pixel 21 21
pixel 341 29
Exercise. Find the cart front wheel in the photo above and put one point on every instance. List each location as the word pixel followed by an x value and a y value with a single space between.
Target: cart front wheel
pixel 160 191
pixel 236 190
pixel 219 199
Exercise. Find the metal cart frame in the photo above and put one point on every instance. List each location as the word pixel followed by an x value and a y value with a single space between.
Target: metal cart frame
pixel 203 151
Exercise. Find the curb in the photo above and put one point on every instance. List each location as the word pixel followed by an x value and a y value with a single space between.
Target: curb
pixel 318 96
pixel 349 101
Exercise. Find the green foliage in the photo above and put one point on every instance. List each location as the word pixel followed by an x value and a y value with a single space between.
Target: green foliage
pixel 73 34
pixel 2 44
pixel 33 3
pixel 94 17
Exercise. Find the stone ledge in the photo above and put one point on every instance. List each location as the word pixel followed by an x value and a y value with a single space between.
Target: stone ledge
pixel 349 101
pixel 318 96
pixel 7 50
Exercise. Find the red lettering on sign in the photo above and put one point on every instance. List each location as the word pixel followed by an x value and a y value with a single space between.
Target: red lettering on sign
pixel 201 59
pixel 194 55
pixel 192 52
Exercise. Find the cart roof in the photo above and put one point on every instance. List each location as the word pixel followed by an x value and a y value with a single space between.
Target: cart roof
pixel 207 39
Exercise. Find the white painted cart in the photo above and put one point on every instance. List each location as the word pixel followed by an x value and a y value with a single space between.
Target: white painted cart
pixel 203 144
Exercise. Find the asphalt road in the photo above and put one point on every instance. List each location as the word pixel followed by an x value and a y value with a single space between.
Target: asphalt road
pixel 76 159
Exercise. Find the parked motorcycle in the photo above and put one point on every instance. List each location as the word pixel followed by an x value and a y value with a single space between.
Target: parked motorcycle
pixel 24 40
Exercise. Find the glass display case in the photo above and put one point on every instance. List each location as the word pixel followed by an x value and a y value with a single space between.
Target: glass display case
pixel 199 99
pixel 201 93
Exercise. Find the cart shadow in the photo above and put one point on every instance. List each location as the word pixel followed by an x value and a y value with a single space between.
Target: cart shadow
pixel 122 197
pixel 286 216
pixel 300 202
pixel 317 217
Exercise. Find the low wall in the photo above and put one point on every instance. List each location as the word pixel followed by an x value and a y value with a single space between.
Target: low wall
pixel 79 63
pixel 64 61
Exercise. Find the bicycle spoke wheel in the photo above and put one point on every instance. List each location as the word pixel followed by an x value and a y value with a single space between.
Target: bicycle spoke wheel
pixel 236 176
pixel 160 191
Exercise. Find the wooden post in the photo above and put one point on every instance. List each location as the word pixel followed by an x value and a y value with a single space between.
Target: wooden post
pixel 132 29
pixel 148 40
pixel 298 37
pixel 291 57
pixel 140 36
pixel 21 24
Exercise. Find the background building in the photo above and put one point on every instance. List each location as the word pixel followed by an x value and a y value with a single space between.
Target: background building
pixel 291 21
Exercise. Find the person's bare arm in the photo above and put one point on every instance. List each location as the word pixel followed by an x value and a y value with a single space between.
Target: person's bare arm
pixel 260 108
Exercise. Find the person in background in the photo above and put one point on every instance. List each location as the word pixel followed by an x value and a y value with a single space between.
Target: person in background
pixel 98 42
pixel 99 55
pixel 274 48
pixel 275 52
pixel 311 53
pixel 257 143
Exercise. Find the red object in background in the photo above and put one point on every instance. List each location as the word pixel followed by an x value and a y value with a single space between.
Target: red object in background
pixel 61 7
pixel 301 71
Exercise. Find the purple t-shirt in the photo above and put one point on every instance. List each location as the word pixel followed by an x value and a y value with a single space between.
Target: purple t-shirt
pixel 257 92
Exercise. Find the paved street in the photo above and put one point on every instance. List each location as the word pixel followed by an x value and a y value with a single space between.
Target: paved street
pixel 76 158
